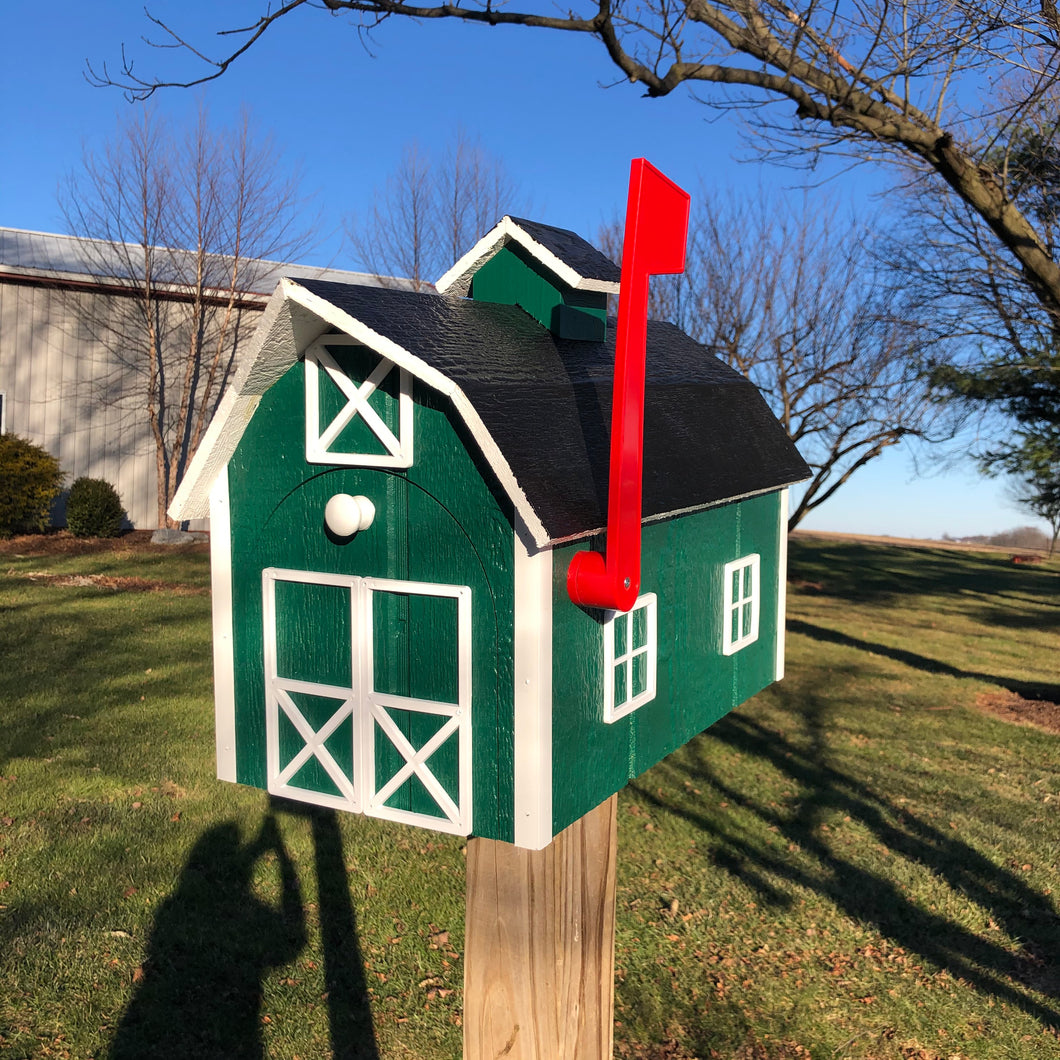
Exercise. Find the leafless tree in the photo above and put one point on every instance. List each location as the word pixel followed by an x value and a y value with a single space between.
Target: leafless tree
pixel 179 223
pixel 938 86
pixel 431 211
pixel 789 297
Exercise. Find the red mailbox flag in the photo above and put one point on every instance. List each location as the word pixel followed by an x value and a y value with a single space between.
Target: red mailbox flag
pixel 654 243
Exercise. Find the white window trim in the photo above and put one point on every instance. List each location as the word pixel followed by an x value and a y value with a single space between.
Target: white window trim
pixel 731 645
pixel 3 412
pixel 399 448
pixel 370 709
pixel 612 713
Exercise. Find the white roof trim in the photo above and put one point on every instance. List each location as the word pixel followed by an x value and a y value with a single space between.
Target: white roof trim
pixel 275 347
pixel 506 230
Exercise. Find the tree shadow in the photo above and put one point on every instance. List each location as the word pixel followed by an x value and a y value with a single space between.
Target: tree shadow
pixel 867 573
pixel 212 943
pixel 1027 689
pixel 1018 978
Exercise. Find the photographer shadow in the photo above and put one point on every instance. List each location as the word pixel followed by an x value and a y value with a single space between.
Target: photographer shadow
pixel 212 944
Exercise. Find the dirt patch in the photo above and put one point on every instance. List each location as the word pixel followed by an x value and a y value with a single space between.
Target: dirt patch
pixel 107 581
pixel 63 543
pixel 1012 707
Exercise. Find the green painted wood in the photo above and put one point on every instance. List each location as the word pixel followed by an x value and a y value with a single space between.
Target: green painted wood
pixel 683 561
pixel 512 277
pixel 436 522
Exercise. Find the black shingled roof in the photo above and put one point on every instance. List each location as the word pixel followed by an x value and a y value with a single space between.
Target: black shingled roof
pixel 709 436
pixel 569 247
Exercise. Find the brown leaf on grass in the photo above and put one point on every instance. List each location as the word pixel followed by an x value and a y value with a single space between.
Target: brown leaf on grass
pixel 138 974
pixel 128 892
pixel 438 939
pixel 4 884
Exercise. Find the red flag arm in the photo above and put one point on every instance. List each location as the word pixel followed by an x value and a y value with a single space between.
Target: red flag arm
pixel 654 243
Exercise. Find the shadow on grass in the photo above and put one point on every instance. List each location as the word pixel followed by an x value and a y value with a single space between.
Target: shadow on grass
pixel 1027 689
pixel 1016 908
pixel 859 572
pixel 349 1011
pixel 213 941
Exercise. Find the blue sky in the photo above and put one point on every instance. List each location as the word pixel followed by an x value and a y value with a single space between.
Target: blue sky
pixel 343 114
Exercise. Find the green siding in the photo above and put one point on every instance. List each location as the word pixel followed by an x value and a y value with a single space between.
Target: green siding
pixel 683 561
pixel 436 522
pixel 513 277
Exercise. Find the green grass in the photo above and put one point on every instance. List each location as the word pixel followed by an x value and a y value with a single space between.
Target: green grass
pixel 857 864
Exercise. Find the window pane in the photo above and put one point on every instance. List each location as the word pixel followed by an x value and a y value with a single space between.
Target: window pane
pixel 735 586
pixel 735 620
pixel 747 580
pixel 415 645
pixel 620 634
pixel 747 618
pixel 640 673
pixel 640 627
pixel 313 641
pixel 621 692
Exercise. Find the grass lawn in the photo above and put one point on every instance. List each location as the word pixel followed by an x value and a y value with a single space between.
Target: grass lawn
pixel 860 863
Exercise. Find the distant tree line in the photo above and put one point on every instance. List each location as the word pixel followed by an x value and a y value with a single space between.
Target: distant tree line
pixel 1018 537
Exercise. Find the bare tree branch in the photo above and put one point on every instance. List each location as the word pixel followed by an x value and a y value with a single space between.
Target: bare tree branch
pixel 879 80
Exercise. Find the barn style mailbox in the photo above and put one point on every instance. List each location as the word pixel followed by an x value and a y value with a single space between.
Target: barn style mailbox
pixel 397 485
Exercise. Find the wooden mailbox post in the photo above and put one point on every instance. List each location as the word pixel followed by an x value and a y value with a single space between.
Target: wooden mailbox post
pixel 397 485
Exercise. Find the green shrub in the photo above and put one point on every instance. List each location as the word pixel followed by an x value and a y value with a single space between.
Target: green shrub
pixel 94 509
pixel 30 479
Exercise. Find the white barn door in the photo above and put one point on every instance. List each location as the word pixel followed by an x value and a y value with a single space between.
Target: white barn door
pixel 368 695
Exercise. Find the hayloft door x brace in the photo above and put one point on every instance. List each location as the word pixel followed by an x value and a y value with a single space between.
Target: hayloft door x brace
pixel 654 243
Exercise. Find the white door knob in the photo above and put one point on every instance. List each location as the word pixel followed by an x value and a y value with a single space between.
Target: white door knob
pixel 345 516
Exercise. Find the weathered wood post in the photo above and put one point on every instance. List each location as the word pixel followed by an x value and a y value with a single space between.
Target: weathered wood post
pixel 539 956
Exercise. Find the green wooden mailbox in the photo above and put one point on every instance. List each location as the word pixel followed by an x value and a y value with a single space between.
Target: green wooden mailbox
pixel 397 483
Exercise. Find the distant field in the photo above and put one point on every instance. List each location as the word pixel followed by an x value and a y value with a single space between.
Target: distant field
pixel 910 542
pixel 860 864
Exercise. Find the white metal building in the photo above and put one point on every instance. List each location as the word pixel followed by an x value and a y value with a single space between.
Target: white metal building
pixel 62 384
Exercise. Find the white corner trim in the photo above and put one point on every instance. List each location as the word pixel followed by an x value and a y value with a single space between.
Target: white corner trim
pixel 782 582
pixel 557 265
pixel 224 691
pixel 505 231
pixel 469 263
pixel 193 497
pixel 533 695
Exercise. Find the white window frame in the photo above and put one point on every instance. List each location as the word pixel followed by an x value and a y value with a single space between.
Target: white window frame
pixel 398 448
pixel 3 412
pixel 370 710
pixel 747 632
pixel 612 711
